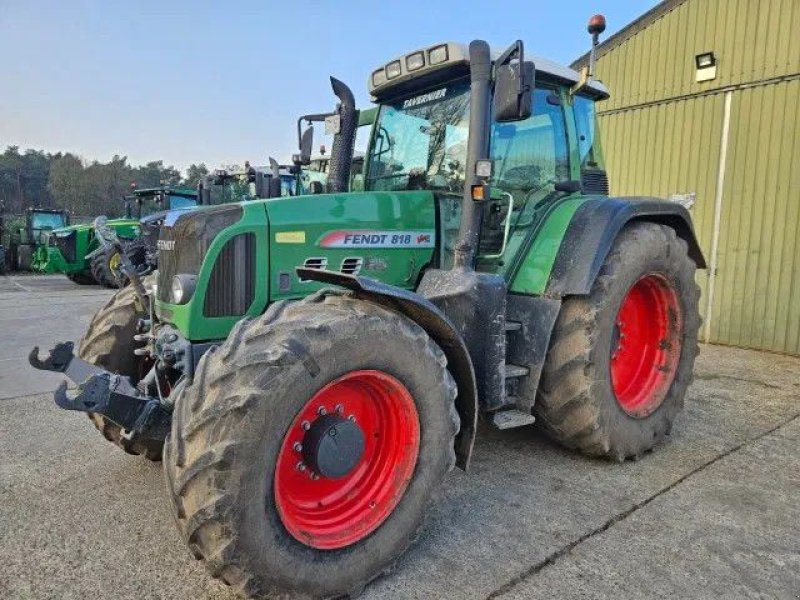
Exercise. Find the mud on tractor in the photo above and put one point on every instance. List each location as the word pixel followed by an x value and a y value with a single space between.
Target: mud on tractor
pixel 312 367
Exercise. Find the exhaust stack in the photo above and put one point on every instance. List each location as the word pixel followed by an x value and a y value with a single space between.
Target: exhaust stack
pixel 343 140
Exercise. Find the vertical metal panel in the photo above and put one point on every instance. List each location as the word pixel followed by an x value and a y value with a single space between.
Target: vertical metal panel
pixel 753 40
pixel 757 301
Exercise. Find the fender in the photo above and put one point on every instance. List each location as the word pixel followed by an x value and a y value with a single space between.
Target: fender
pixel 436 325
pixel 593 229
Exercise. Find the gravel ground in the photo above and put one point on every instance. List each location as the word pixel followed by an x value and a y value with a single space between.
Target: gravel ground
pixel 714 512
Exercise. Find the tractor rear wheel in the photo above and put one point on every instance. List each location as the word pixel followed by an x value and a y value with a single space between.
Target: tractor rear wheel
pixel 103 267
pixel 620 359
pixel 109 343
pixel 304 455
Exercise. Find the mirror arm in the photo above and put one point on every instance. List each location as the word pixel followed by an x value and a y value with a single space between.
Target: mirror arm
pixel 313 118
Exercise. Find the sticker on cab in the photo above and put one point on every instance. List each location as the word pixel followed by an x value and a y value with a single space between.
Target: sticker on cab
pixel 377 239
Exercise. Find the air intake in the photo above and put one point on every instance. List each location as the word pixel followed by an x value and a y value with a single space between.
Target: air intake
pixel 317 262
pixel 351 265
pixel 594 181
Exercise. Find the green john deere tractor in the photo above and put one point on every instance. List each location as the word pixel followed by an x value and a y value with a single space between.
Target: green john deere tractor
pixel 76 252
pixel 29 239
pixel 313 366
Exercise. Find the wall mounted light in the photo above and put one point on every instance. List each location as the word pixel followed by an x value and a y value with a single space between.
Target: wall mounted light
pixel 706 64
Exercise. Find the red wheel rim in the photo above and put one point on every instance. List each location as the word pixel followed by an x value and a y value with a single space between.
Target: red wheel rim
pixel 328 513
pixel 646 345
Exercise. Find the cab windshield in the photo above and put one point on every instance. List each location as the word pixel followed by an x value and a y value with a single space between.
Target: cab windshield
pixel 47 220
pixel 420 142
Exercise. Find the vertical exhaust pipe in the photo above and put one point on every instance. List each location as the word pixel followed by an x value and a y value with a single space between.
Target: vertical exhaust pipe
pixel 480 66
pixel 344 141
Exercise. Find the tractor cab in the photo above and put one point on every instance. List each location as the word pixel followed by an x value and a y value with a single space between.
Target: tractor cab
pixel 146 201
pixel 39 222
pixel 420 142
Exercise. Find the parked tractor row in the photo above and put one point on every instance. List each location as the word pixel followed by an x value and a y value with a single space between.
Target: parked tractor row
pixel 309 368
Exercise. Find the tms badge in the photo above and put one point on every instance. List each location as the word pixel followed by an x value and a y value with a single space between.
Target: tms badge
pixel 167 245
pixel 375 263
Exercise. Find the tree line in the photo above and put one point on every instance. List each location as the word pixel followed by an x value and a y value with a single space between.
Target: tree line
pixel 34 178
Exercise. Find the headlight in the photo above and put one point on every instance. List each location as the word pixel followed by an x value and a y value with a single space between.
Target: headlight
pixel 182 288
pixel 437 55
pixel 379 77
pixel 393 69
pixel 415 61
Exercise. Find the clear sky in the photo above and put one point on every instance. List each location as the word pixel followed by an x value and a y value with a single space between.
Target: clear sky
pixel 220 82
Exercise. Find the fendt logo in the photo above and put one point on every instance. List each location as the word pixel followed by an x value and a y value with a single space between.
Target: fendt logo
pixel 165 244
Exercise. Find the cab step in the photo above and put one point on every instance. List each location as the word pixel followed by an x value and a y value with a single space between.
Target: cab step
pixel 510 419
pixel 515 371
pixel 513 325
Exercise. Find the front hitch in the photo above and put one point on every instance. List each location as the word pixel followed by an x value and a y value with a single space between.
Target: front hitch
pixel 104 393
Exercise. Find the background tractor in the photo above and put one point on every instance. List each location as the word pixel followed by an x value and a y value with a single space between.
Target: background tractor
pixel 30 234
pixel 312 367
pixel 76 252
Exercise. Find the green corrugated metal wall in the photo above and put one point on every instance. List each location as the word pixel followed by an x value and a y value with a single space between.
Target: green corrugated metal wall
pixel 662 134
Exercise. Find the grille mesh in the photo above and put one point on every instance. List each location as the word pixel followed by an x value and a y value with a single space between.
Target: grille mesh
pixel 66 245
pixel 231 289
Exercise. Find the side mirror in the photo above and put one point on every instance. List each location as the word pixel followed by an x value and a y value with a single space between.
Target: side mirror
pixel 306 143
pixel 513 85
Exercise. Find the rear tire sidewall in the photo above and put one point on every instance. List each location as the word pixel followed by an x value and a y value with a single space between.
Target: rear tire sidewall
pixel 358 345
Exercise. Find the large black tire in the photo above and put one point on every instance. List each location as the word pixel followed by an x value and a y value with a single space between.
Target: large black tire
pixel 109 343
pixel 576 403
pixel 229 424
pixel 81 278
pixel 101 268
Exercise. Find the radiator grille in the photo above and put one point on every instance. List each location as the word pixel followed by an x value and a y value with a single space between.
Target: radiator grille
pixel 232 286
pixel 182 244
pixel 65 245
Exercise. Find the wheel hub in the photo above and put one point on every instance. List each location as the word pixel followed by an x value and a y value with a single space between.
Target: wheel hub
pixel 333 446
pixel 646 345
pixel 346 459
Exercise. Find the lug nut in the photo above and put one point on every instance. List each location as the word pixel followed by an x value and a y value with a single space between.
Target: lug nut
pixel 339 408
pixel 306 425
pixel 321 411
pixel 298 447
pixel 314 476
pixel 300 466
pixel 352 418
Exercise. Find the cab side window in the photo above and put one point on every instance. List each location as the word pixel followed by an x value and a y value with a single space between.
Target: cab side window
pixel 531 154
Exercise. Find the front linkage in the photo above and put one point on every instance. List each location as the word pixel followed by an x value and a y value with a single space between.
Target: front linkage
pixel 103 393
pixel 139 409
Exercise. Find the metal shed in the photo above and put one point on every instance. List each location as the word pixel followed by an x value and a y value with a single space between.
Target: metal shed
pixel 705 107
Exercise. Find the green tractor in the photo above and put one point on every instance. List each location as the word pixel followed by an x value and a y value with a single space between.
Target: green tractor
pixel 312 367
pixel 29 239
pixel 76 252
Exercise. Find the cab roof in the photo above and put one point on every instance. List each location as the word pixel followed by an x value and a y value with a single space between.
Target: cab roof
pixel 458 61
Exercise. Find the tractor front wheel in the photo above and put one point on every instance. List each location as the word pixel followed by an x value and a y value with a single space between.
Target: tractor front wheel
pixel 104 266
pixel 109 343
pixel 620 359
pixel 303 457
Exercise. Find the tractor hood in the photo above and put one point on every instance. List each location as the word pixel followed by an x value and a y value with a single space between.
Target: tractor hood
pixel 235 259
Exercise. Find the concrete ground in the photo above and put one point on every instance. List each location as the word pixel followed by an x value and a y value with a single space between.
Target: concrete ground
pixel 715 512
